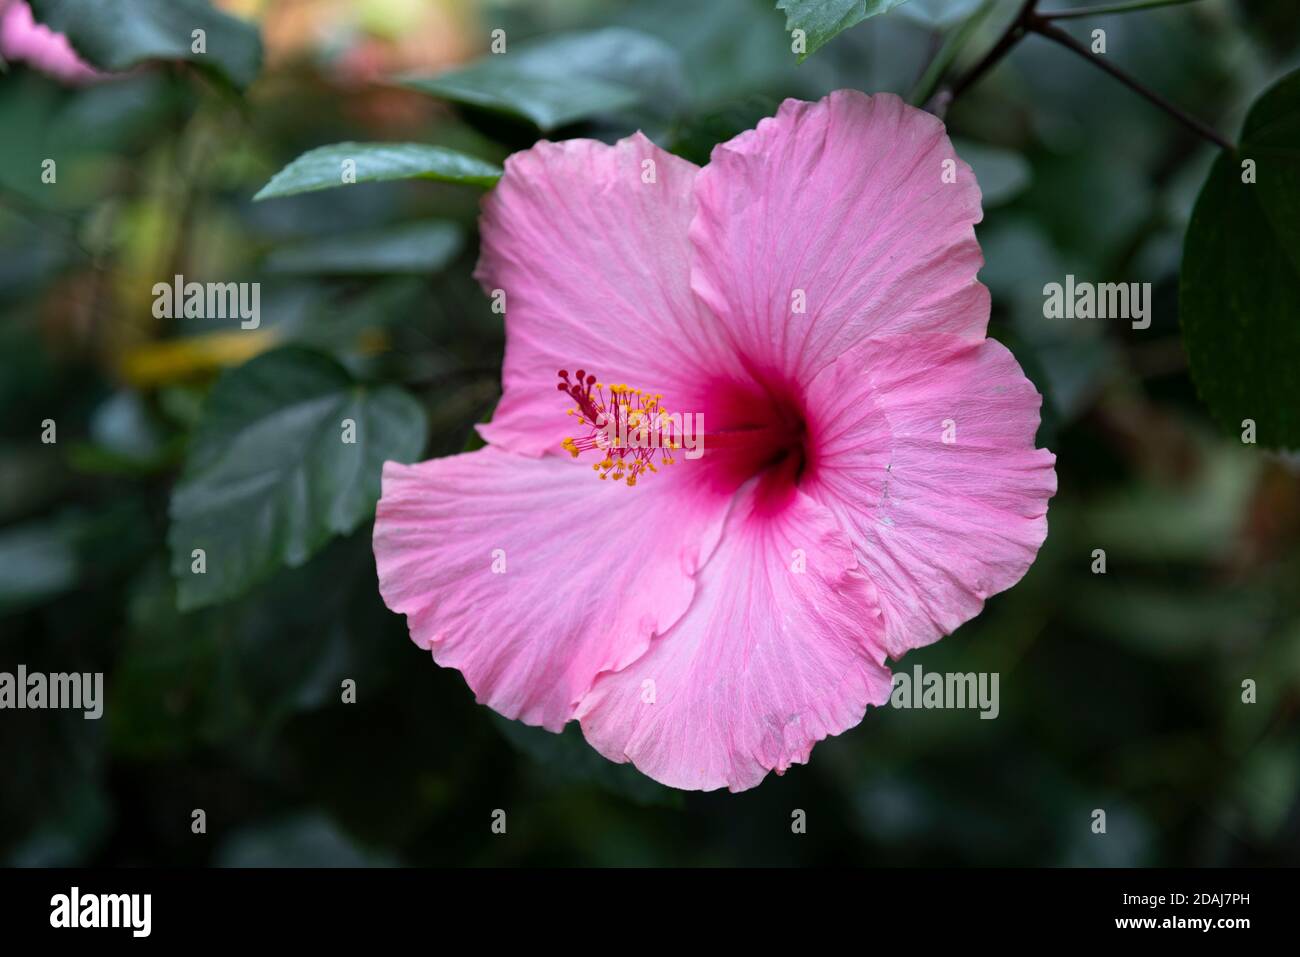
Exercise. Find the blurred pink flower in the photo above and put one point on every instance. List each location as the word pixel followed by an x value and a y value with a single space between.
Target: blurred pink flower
pixel 869 474
pixel 22 39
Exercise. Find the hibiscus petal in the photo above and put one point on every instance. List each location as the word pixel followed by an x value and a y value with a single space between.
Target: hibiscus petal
pixel 589 243
pixel 844 202
pixel 591 570
pixel 939 525
pixel 767 661
pixel 22 39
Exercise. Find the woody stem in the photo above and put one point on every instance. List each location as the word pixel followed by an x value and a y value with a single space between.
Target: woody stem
pixel 1041 26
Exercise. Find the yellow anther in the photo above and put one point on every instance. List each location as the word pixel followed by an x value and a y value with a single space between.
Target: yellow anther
pixel 635 411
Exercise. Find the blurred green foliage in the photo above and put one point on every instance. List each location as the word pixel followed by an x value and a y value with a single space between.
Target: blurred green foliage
pixel 1120 691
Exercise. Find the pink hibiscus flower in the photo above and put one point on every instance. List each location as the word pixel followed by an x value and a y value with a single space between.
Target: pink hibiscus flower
pixel 22 39
pixel 869 473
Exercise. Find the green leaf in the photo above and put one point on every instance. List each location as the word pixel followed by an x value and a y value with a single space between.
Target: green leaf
pixel 566 78
pixel 1239 292
pixel 270 478
pixel 938 14
pixel 422 247
pixel 323 167
pixel 695 138
pixel 822 20
pixel 728 48
pixel 119 34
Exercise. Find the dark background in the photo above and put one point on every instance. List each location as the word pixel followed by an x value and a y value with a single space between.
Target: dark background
pixel 1119 691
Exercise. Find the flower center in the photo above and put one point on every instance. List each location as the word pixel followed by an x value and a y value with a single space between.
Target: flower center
pixel 626 425
pixel 754 428
pixel 759 427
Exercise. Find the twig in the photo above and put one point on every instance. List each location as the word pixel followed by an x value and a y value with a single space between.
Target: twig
pixel 927 86
pixel 1041 26
pixel 1009 39
pixel 1109 8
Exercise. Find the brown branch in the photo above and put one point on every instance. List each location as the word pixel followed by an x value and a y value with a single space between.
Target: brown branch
pixel 1037 24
